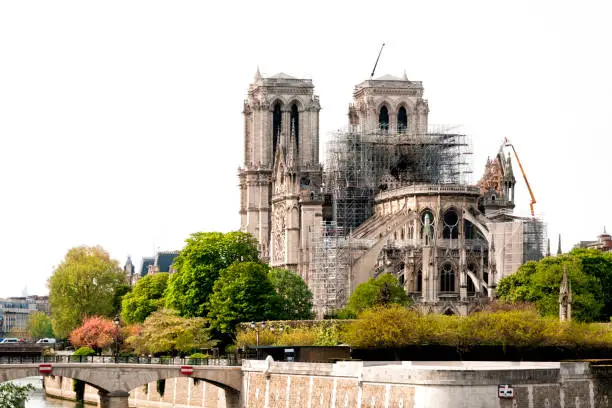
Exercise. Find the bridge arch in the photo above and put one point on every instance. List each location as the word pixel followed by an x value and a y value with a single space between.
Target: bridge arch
pixel 117 380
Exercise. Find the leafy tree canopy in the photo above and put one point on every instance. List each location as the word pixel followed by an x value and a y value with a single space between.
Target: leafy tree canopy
pixel 589 272
pixel 84 284
pixel 146 297
pixel 96 333
pixel 13 395
pixel 383 290
pixel 242 293
pixel 295 297
pixel 198 266
pixel 164 331
pixel 39 325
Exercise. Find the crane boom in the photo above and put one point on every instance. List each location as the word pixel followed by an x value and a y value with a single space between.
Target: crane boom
pixel 533 200
pixel 376 63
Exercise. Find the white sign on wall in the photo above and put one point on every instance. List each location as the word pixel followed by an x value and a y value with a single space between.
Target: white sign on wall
pixel 505 391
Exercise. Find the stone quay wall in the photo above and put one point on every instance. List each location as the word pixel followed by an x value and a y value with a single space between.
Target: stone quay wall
pixel 351 384
pixel 424 385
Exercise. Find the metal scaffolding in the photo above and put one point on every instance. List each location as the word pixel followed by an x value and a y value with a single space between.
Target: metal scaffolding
pixel 330 270
pixel 534 239
pixel 518 240
pixel 361 164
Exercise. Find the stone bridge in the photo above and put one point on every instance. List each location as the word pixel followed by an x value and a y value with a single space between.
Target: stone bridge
pixel 115 381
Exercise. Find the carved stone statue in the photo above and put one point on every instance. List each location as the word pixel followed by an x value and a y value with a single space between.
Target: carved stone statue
pixel 427 228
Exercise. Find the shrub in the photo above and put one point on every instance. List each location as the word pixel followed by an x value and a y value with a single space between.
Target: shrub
pixel 387 327
pixel 394 327
pixel 83 352
pixel 294 333
pixel 516 328
pixel 197 358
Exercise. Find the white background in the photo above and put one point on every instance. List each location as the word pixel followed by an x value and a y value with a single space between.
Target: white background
pixel 120 121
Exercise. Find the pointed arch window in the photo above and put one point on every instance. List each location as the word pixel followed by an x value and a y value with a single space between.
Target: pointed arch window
pixel 451 225
pixel 447 278
pixel 295 125
pixel 402 120
pixel 419 281
pixel 277 118
pixel 383 119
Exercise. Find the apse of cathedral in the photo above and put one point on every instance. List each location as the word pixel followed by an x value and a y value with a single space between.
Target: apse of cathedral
pixel 394 196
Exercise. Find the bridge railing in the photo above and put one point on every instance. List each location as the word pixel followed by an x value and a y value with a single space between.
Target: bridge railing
pixel 227 360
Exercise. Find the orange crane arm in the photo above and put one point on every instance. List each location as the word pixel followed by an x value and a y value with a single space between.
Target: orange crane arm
pixel 533 200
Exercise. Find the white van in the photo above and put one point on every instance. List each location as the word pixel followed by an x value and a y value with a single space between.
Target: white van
pixel 46 341
pixel 10 340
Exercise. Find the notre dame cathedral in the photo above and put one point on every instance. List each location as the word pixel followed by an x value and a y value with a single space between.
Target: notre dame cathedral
pixel 395 196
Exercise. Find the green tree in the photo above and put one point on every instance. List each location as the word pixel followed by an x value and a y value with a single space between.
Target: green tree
pixel 242 293
pixel 146 297
pixel 295 297
pixel 39 325
pixel 13 395
pixel 84 284
pixel 383 290
pixel 198 266
pixel 539 282
pixel 598 264
pixel 164 331
pixel 96 333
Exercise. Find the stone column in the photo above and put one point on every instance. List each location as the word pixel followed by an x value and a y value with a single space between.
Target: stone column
pixel 114 399
pixel 232 399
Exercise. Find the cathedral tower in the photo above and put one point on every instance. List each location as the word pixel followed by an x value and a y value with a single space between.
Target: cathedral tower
pixel 391 104
pixel 281 166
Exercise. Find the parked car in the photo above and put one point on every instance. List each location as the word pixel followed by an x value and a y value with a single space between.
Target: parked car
pixel 10 340
pixel 46 341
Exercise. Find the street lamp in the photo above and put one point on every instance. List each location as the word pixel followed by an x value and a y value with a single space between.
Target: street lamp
pixel 262 325
pixel 255 327
pixel 116 322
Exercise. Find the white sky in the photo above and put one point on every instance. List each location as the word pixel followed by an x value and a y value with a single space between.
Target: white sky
pixel 120 121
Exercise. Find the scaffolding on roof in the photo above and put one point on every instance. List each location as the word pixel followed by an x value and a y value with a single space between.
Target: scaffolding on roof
pixel 361 164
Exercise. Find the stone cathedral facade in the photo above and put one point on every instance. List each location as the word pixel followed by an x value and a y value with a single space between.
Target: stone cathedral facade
pixel 280 181
pixel 392 199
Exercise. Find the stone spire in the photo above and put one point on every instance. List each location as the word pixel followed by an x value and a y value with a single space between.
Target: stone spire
pixel 565 298
pixel 405 77
pixel 128 269
pixel 559 252
pixel 257 75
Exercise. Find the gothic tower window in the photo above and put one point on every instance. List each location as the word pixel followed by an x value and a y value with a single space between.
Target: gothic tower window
pixel 295 124
pixel 383 119
pixel 419 281
pixel 447 278
pixel 277 119
pixel 402 120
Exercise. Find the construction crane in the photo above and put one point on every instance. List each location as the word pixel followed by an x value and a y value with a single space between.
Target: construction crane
pixel 376 63
pixel 533 200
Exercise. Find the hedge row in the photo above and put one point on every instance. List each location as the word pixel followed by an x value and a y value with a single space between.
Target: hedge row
pixel 395 326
